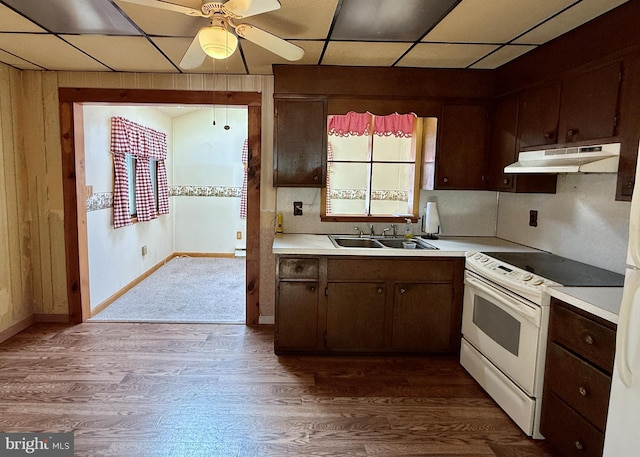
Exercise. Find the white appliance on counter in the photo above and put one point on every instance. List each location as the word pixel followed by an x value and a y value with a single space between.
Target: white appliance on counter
pixel 622 433
pixel 505 318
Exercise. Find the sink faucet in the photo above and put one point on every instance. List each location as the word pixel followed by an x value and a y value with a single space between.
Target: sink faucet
pixel 385 230
pixel 372 231
pixel 359 231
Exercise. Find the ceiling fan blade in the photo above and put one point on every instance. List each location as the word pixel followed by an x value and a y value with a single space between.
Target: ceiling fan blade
pixel 270 42
pixel 194 56
pixel 245 8
pixel 167 6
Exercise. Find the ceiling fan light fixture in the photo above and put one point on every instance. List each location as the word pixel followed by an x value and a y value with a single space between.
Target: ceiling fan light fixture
pixel 217 42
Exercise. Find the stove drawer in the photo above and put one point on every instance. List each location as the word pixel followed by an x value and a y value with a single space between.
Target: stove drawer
pixel 582 335
pixel 582 386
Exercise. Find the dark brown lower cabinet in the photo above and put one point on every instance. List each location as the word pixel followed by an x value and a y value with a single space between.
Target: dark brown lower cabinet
pixel 368 304
pixel 577 381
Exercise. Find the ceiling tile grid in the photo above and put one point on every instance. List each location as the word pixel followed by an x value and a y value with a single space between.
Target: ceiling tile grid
pixel 135 36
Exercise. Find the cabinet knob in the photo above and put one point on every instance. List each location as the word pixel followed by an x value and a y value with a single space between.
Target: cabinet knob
pixel 298 269
pixel 316 178
pixel 582 391
pixel 403 290
pixel 312 289
pixel 572 132
pixel 578 445
pixel 445 179
pixel 588 339
pixel 549 135
pixel 379 290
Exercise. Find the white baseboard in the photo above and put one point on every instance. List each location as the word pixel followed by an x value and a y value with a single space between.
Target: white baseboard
pixel 266 320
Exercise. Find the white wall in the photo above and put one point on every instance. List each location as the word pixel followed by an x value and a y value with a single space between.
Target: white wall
pixel 208 172
pixel 115 255
pixel 462 213
pixel 582 221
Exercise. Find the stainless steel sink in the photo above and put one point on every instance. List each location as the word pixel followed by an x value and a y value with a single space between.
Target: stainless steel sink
pixel 346 241
pixel 397 243
pixel 355 242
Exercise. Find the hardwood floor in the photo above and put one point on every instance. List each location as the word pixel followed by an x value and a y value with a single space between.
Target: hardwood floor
pixel 218 390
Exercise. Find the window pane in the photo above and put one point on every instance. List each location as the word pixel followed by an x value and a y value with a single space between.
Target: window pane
pixel 392 188
pixel 131 173
pixel 392 149
pixel 350 148
pixel 347 188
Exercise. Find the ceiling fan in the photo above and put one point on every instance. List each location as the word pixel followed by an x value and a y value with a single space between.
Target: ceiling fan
pixel 217 40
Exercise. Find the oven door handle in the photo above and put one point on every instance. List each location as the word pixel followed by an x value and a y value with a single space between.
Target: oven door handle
pixel 519 308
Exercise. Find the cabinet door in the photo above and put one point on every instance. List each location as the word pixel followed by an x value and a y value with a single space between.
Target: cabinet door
pixel 504 151
pixel 538 116
pixel 423 318
pixel 461 160
pixel 589 105
pixel 300 143
pixel 355 316
pixel 296 316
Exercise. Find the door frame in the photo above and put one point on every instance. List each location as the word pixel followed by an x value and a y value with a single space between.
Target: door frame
pixel 73 181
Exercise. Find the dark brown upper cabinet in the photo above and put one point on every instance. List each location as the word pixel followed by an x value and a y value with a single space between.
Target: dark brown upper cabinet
pixel 503 150
pixel 538 116
pixel 589 105
pixel 300 147
pixel 461 159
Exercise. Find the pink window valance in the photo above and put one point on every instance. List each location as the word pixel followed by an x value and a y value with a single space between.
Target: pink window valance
pixel 350 124
pixel 399 125
pixel 358 124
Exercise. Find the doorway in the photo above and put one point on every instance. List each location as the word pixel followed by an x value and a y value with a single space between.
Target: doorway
pixel 72 137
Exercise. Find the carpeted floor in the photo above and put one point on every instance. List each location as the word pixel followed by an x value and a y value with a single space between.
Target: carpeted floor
pixel 186 289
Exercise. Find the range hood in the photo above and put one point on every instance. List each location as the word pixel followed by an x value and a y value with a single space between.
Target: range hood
pixel 601 158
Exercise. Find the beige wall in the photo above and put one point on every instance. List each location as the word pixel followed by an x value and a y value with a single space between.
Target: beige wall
pixel 33 274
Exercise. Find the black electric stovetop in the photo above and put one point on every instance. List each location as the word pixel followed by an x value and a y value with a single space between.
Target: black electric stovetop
pixel 558 269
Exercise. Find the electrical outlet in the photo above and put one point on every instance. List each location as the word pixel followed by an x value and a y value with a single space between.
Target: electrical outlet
pixel 297 208
pixel 144 250
pixel 533 218
pixel 238 235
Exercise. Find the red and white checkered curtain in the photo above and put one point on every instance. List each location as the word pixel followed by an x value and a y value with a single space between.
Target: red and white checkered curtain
pixel 145 143
pixel 245 164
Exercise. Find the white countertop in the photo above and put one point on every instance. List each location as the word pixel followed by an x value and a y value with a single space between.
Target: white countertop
pixel 603 302
pixel 305 244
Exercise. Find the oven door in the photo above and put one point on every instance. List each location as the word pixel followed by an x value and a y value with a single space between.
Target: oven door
pixel 504 328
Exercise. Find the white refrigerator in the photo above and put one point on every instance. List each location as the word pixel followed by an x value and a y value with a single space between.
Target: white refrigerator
pixel 622 434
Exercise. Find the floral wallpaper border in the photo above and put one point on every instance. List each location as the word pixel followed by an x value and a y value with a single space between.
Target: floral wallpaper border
pixel 360 194
pixel 104 200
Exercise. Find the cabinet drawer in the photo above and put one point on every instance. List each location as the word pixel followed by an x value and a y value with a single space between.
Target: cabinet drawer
pixel 583 387
pixel 390 269
pixel 298 268
pixel 567 431
pixel 593 341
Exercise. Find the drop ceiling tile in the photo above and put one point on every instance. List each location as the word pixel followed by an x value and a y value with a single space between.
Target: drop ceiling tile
pixel 73 16
pixel 49 52
pixel 174 48
pixel 502 56
pixel 568 20
pixel 383 20
pixel 155 21
pixel 493 21
pixel 120 53
pixel 363 54
pixel 17 62
pixel 297 19
pixel 259 60
pixel 10 21
pixel 445 55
